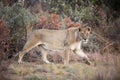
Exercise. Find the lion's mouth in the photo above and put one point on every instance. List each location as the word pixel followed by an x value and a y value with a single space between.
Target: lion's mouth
pixel 85 41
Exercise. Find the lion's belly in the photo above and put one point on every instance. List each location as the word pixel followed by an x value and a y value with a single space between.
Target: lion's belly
pixel 54 46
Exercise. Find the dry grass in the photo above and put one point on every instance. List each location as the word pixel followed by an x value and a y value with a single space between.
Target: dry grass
pixel 106 67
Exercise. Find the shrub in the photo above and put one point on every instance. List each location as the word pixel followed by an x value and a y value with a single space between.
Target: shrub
pixel 4 39
pixel 18 19
pixel 54 21
pixel 49 21
pixel 78 10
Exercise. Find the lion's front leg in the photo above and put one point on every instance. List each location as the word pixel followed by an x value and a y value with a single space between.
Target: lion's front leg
pixel 66 56
pixel 81 54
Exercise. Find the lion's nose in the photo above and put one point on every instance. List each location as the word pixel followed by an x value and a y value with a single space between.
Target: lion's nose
pixel 85 41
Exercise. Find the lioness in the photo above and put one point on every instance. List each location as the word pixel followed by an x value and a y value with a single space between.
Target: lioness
pixel 55 40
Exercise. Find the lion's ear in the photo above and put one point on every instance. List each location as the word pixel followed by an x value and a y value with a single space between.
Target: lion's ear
pixel 80 29
pixel 88 29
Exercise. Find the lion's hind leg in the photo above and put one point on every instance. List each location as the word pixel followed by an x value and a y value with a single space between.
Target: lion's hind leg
pixel 28 46
pixel 44 55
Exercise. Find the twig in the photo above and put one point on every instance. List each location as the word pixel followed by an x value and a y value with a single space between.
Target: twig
pixel 100 37
pixel 111 43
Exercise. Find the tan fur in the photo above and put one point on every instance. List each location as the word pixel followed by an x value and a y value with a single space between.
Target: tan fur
pixel 55 40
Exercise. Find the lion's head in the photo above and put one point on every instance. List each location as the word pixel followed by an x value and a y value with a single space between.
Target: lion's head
pixel 85 33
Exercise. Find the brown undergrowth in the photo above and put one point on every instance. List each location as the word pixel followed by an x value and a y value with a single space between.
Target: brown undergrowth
pixel 105 67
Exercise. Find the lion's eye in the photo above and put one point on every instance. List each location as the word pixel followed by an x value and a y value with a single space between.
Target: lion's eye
pixel 83 37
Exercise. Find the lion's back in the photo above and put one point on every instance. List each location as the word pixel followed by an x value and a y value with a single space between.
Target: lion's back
pixel 53 39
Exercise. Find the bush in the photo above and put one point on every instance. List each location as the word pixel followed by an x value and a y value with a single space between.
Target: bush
pixel 78 10
pixel 4 39
pixel 54 21
pixel 49 21
pixel 18 19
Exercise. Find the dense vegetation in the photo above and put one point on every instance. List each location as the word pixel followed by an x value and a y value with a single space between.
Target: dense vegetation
pixel 101 16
